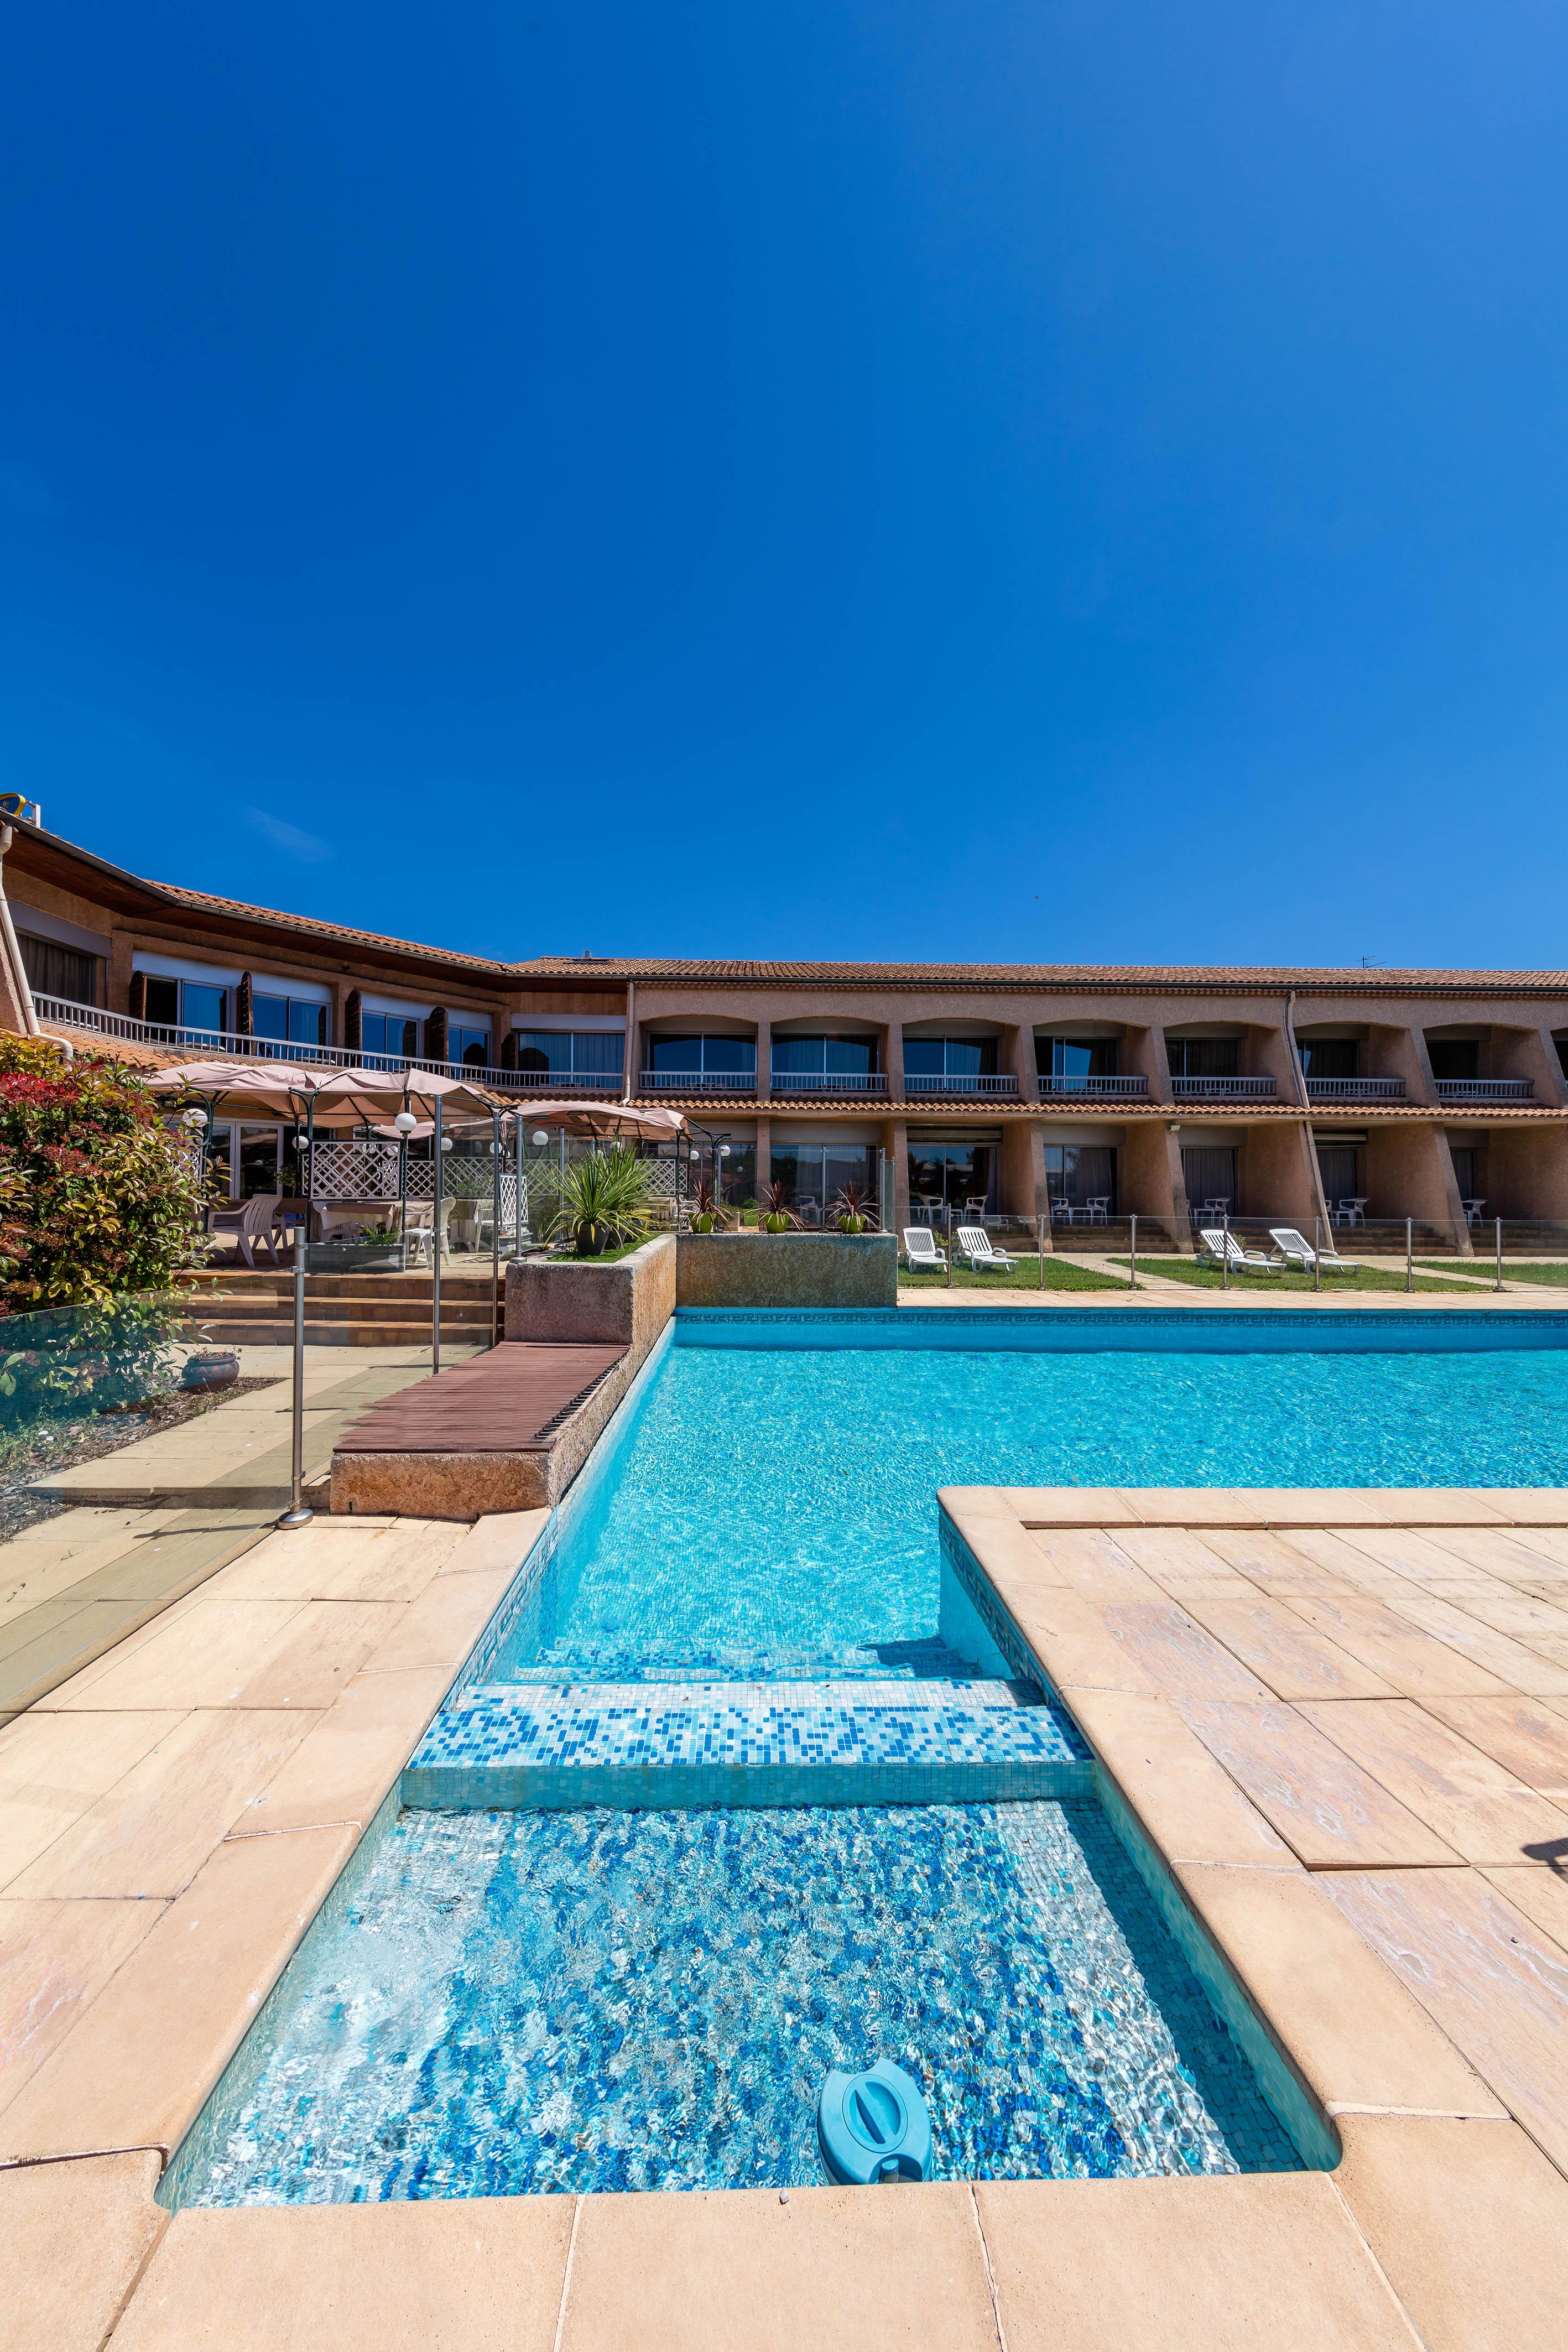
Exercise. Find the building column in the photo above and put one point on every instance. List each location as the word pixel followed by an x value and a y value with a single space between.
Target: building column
pixel 1023 1188
pixel 1018 1055
pixel 892 1058
pixel 895 1143
pixel 1410 1173
pixel 764 1053
pixel 1278 1173
pixel 1527 1169
pixel 1149 1176
pixel 764 1155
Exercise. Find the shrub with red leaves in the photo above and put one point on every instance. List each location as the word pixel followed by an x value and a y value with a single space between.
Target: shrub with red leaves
pixel 97 1198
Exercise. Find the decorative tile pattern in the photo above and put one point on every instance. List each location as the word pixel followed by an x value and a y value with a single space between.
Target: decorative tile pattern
pixel 753 1744
pixel 1094 1330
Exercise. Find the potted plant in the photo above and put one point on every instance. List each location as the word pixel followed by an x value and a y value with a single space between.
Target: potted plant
pixel 851 1209
pixel 773 1211
pixel 705 1215
pixel 605 1199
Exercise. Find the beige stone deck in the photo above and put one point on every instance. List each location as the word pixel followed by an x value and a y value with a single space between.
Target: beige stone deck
pixel 1343 1721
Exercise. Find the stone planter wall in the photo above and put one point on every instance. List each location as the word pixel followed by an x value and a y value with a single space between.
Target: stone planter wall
pixel 575 1298
pixel 786 1270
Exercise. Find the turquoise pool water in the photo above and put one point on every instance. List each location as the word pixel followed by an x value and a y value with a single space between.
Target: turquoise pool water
pixel 514 2002
pixel 771 1510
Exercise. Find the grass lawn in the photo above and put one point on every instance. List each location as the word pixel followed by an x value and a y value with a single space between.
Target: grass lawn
pixel 1208 1278
pixel 1060 1274
pixel 1484 1268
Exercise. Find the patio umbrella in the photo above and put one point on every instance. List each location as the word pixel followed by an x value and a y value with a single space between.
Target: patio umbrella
pixel 265 1087
pixel 599 1119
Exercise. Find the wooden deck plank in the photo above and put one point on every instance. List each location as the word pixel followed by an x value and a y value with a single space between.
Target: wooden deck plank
pixel 1414 1662
pixel 503 1402
pixel 1527 1739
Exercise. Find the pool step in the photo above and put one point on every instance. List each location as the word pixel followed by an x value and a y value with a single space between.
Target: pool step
pixel 533 1747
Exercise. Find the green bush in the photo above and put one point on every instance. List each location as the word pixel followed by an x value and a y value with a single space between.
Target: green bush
pixel 96 1199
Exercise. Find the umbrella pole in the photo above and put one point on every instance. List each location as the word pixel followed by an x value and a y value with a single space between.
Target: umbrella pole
pixel 435 1251
pixel 496 1228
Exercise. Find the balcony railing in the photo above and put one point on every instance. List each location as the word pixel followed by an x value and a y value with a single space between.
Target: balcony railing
pixel 1354 1089
pixel 228 1045
pixel 1123 1089
pixel 1224 1090
pixel 1485 1090
pixel 698 1082
pixel 1003 1084
pixel 827 1082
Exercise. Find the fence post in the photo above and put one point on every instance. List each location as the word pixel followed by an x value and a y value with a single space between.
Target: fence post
pixel 949 1245
pixel 1498 1283
pixel 297 1515
pixel 1132 1258
pixel 1040 1245
pixel 496 1228
pixel 436 1247
pixel 1317 1254
pixel 1225 1248
pixel 1409 1253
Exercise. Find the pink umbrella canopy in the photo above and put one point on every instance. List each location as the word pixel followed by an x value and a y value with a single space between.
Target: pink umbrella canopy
pixel 369 1096
pixel 600 1118
pixel 265 1087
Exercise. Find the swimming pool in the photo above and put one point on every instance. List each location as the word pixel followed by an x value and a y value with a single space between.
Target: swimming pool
pixel 769 1510
pixel 508 2004
pixel 594 1998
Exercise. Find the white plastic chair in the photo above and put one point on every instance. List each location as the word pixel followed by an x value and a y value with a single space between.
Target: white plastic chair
pixel 920 1248
pixel 253 1221
pixel 1097 1211
pixel 1296 1250
pixel 975 1244
pixel 1221 1243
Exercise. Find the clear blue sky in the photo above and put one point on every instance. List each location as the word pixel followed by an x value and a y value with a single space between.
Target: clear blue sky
pixel 992 478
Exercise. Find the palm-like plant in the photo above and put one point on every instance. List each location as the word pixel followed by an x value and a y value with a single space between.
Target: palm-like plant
pixel 604 1196
pixel 773 1210
pixel 852 1207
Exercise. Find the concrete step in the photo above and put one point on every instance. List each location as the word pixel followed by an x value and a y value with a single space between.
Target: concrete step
pixel 528 1746
pixel 221 1331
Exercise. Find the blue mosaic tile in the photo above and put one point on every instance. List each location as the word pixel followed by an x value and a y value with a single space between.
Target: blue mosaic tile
pixel 531 1745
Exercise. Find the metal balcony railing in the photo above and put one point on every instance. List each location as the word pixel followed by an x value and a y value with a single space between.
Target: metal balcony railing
pixel 827 1082
pixel 698 1082
pixel 228 1045
pixel 1224 1090
pixel 1002 1084
pixel 1354 1089
pixel 1123 1089
pixel 1485 1090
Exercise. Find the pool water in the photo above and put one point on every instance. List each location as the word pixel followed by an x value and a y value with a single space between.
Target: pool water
pixel 772 1512
pixel 510 2002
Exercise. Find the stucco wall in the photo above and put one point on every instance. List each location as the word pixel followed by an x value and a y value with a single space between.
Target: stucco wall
pixel 787 1270
pixel 575 1299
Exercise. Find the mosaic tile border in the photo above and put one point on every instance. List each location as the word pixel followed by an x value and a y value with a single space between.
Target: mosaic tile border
pixel 557 1788
pixel 1173 1330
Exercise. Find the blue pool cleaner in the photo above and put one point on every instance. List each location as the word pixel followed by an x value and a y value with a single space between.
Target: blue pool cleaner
pixel 874 2126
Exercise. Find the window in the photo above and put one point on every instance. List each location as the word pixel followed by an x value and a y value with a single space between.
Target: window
pixel 1467 1163
pixel 185 1005
pixel 246 1161
pixel 954 1176
pixel 1339 1165
pixel 737 1173
pixel 1079 1173
pixel 1454 1059
pixel 59 972
pixel 1209 1176
pixel 1328 1057
pixel 1204 1057
pixel 571 1054
pixel 949 1057
pixel 471 1046
pixel 292 1018
pixel 390 1032
pixel 821 1058
pixel 814 1175
pixel 709 1057
pixel 1077 1057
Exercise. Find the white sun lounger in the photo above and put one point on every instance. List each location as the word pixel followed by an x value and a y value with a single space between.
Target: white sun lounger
pixel 920 1248
pixel 1220 1244
pixel 1296 1250
pixel 975 1244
